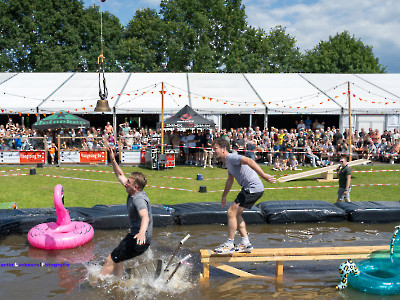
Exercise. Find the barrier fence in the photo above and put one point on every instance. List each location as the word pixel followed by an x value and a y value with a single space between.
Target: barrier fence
pixel 92 150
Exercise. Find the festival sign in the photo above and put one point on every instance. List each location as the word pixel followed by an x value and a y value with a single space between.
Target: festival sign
pixel 92 156
pixel 32 157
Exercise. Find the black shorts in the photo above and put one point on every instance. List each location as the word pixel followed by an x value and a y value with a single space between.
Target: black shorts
pixel 246 199
pixel 127 249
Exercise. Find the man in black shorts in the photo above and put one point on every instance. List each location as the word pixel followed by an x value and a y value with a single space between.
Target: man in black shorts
pixel 141 221
pixel 246 171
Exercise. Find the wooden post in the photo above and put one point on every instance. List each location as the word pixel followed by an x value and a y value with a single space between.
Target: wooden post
pixel 279 270
pixel 58 148
pixel 348 87
pixel 206 270
pixel 162 117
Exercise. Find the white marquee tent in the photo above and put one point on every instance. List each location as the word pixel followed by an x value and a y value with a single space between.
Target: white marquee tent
pixel 374 98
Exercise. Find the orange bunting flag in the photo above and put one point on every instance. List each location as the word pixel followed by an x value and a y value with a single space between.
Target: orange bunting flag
pixel 2 110
pixel 135 94
pixel 344 93
pixel 36 114
pixel 211 99
pixel 386 103
pixel 373 101
pixel 76 109
pixel 67 111
pixel 119 94
pixel 321 102
pixel 255 104
pixel 83 108
pixel 128 94
pixel 269 102
pixel 298 106
pixel 224 102
pixel 173 93
pixel 112 97
pixel 153 92
pixel 19 114
pixel 354 95
pixel 11 111
pixel 44 115
pixel 28 114
pixel 204 97
pixel 180 96
pixel 143 93
pixel 336 96
pixel 91 105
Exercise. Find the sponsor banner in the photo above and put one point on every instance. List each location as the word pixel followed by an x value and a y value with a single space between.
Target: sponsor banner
pixel 69 157
pixel 131 157
pixel 32 157
pixel 9 157
pixel 93 157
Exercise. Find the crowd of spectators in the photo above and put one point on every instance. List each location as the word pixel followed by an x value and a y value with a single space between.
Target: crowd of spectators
pixel 307 143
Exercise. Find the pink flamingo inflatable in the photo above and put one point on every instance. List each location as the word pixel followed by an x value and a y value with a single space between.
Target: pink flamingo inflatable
pixel 62 234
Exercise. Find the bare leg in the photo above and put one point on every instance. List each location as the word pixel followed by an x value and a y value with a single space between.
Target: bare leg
pixel 241 225
pixel 110 267
pixel 235 219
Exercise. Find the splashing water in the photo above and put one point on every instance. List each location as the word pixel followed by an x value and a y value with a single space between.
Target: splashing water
pixel 394 245
pixel 144 286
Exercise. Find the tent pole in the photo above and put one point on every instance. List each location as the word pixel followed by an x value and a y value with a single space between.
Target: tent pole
pixel 162 117
pixel 348 87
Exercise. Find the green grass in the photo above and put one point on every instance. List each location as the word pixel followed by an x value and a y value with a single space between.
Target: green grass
pixel 37 191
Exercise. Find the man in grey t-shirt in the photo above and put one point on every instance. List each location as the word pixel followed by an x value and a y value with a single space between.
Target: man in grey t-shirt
pixel 246 171
pixel 138 240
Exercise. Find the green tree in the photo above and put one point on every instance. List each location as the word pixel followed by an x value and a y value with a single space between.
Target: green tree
pixel 342 53
pixel 143 47
pixel 200 35
pixel 90 47
pixel 54 36
pixel 284 56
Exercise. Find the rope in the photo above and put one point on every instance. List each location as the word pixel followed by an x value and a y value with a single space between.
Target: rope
pixel 103 92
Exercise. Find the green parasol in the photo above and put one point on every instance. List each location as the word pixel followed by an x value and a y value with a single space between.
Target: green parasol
pixel 60 120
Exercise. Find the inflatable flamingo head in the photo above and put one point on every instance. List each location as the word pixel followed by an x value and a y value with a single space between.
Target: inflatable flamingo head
pixel 62 214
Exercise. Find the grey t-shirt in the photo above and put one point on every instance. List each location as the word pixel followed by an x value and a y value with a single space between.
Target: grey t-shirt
pixel 246 177
pixel 134 204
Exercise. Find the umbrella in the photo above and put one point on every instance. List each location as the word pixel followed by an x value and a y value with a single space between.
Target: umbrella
pixel 60 120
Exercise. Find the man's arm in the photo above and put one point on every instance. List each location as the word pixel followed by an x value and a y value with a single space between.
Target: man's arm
pixel 228 186
pixel 252 164
pixel 117 170
pixel 144 224
pixel 348 180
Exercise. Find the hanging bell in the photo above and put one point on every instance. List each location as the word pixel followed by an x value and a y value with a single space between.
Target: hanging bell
pixel 102 106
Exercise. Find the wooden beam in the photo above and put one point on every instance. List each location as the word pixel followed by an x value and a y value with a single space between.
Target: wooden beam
pixel 319 171
pixel 279 255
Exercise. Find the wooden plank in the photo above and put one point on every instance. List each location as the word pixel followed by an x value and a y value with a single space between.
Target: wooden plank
pixel 205 253
pixel 319 171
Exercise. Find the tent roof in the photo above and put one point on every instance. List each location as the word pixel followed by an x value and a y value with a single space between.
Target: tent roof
pixel 187 118
pixel 206 93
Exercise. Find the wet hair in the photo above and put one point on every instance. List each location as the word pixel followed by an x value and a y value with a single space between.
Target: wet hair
pixel 139 179
pixel 222 143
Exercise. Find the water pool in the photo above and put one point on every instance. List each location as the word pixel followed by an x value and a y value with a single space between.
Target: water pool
pixel 28 272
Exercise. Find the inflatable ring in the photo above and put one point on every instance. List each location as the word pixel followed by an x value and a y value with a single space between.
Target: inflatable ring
pixel 377 275
pixel 62 234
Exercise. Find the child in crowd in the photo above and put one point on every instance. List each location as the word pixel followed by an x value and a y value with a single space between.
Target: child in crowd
pixel 284 165
pixel 52 151
pixel 294 163
pixel 277 165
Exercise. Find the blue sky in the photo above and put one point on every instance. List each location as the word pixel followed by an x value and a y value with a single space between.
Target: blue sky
pixel 376 22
